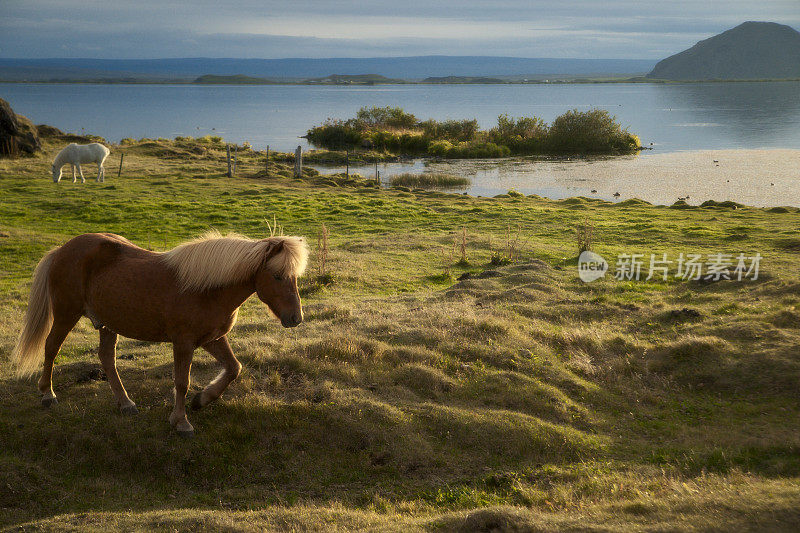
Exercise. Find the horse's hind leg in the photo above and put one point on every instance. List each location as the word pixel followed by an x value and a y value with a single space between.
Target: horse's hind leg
pixel 80 171
pixel 61 328
pixel 108 358
pixel 221 350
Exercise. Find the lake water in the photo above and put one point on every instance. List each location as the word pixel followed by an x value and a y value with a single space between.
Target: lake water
pixel 673 117
pixel 686 124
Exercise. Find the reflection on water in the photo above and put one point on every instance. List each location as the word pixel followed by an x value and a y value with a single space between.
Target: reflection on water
pixel 751 177
pixel 735 115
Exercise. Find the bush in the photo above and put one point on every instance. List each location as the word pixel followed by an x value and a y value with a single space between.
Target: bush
pixel 334 134
pixel 210 139
pixel 392 117
pixel 525 135
pixel 478 150
pixel 451 130
pixel 393 130
pixel 440 148
pixel 594 131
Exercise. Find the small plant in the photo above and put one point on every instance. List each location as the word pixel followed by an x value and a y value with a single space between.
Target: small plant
pixel 447 260
pixel 511 249
pixel 274 228
pixel 460 242
pixel 585 235
pixel 512 243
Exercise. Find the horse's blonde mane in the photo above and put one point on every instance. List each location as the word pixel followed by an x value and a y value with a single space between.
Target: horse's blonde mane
pixel 214 260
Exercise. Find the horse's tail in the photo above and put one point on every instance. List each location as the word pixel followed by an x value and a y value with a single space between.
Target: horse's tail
pixel 29 350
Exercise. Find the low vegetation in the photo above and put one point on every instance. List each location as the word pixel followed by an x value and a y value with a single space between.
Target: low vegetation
pixel 393 130
pixel 452 372
pixel 429 180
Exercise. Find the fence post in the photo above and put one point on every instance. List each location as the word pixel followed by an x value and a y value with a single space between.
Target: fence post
pixel 267 166
pixel 121 159
pixel 347 162
pixel 235 158
pixel 377 174
pixel 228 150
pixel 298 162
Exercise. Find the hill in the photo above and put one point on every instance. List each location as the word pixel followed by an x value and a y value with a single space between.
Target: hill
pixel 752 50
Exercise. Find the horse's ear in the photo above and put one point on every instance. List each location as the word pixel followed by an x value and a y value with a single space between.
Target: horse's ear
pixel 277 247
pixel 274 248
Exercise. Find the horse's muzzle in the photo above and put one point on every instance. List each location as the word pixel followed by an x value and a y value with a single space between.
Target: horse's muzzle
pixel 291 320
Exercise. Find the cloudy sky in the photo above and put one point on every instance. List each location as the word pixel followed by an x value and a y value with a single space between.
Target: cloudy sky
pixel 364 28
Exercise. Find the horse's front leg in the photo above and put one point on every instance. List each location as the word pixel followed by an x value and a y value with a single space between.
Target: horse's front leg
pixel 101 173
pixel 74 179
pixel 220 349
pixel 80 170
pixel 183 364
pixel 108 358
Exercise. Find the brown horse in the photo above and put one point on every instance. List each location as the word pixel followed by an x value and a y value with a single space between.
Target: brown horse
pixel 188 296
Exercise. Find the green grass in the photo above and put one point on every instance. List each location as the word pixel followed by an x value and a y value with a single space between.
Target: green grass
pixel 429 180
pixel 518 397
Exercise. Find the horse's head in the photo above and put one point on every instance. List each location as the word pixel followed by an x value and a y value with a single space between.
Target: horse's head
pixel 56 173
pixel 276 285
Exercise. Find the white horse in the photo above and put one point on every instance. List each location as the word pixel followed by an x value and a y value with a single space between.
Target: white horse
pixel 75 154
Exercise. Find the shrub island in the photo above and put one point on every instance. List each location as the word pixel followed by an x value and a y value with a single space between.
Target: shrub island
pixel 392 130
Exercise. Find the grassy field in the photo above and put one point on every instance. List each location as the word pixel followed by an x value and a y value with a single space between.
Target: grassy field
pixel 517 398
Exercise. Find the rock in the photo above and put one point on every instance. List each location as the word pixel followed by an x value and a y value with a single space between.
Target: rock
pixel 18 135
pixel 48 131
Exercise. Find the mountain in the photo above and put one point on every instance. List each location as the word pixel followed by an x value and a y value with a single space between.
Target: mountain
pixel 416 67
pixel 750 51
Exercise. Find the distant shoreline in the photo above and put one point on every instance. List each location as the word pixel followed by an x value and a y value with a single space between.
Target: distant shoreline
pixel 313 83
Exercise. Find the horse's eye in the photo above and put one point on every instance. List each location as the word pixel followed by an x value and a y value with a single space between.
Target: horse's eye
pixel 278 278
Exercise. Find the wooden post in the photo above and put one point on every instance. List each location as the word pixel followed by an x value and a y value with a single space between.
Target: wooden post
pixel 377 175
pixel 347 162
pixel 298 162
pixel 121 159
pixel 235 158
pixel 228 150
pixel 267 167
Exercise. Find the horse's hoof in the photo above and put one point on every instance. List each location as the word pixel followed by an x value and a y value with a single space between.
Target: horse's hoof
pixel 49 402
pixel 197 402
pixel 129 410
pixel 186 433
